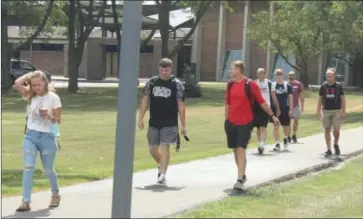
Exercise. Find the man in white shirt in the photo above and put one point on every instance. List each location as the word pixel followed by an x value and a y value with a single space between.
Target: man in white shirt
pixel 261 119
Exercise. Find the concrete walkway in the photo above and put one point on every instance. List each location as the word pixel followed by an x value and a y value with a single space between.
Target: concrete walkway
pixel 189 183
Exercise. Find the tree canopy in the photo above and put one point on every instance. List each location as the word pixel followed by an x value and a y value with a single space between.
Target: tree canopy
pixel 305 29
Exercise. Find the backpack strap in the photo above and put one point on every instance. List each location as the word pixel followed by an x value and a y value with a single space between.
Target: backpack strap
pixel 285 86
pixel 152 81
pixel 229 87
pixel 248 91
pixel 324 85
pixel 337 92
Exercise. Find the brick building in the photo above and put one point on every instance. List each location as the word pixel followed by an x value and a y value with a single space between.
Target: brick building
pixel 220 38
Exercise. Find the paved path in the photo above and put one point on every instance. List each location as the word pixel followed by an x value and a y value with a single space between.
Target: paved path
pixel 188 184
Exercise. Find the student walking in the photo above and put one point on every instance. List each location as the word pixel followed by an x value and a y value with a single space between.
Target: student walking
pixel 164 94
pixel 241 94
pixel 284 96
pixel 298 105
pixel 43 111
pixel 332 104
pixel 261 118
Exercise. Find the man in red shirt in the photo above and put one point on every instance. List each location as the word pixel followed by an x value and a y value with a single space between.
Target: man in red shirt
pixel 298 104
pixel 241 94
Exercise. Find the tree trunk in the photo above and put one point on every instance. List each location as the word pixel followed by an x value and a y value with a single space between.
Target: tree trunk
pixel 72 63
pixel 5 52
pixel 118 32
pixel 357 72
pixel 304 76
pixel 164 24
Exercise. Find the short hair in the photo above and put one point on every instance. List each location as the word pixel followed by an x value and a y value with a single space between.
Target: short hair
pixel 332 70
pixel 279 71
pixel 291 72
pixel 260 70
pixel 239 64
pixel 165 63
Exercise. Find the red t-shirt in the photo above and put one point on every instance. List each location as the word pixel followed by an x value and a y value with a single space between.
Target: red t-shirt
pixel 297 88
pixel 240 111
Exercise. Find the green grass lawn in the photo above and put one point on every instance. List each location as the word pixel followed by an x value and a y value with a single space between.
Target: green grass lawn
pixel 88 134
pixel 334 193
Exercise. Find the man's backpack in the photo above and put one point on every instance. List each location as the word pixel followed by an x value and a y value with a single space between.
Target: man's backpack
pixel 247 90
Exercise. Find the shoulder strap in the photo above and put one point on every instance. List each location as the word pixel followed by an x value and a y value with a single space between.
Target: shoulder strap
pixel 248 90
pixel 285 86
pixel 269 86
pixel 229 87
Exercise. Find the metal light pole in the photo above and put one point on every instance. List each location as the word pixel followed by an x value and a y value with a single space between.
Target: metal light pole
pixel 126 113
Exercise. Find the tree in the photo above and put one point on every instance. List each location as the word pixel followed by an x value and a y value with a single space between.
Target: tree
pixel 35 18
pixel 164 7
pixel 81 22
pixel 346 34
pixel 295 30
pixel 117 29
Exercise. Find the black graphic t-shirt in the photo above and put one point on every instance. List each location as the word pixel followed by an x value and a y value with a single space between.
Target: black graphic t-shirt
pixel 164 95
pixel 331 96
pixel 282 93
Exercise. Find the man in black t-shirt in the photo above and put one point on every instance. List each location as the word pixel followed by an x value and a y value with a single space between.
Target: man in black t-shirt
pixel 164 94
pixel 332 104
pixel 283 92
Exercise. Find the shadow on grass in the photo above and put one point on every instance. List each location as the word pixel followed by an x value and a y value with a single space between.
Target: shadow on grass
pixel 13 178
pixel 248 192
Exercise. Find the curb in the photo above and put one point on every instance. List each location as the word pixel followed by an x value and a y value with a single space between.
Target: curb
pixel 286 178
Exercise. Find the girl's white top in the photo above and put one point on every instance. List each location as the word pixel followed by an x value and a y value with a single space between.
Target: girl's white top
pixel 37 122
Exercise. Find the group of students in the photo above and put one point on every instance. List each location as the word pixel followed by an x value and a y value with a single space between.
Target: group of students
pixel 249 104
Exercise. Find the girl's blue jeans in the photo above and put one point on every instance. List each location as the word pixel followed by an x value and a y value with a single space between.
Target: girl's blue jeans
pixel 45 144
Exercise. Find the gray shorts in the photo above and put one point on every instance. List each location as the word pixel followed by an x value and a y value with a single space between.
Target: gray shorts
pixel 163 136
pixel 296 112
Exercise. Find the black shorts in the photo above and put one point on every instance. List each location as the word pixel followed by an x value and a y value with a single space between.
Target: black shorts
pixel 260 119
pixel 237 135
pixel 284 117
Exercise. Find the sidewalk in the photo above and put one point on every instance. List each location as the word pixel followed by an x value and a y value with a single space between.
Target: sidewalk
pixel 189 184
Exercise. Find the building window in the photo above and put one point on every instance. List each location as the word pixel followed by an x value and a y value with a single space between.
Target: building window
pixel 229 57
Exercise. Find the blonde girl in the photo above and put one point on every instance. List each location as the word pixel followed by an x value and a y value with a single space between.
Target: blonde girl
pixel 44 109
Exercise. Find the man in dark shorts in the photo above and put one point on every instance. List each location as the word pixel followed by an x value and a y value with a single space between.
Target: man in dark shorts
pixel 298 108
pixel 284 97
pixel 165 96
pixel 242 93
pixel 332 104
pixel 261 118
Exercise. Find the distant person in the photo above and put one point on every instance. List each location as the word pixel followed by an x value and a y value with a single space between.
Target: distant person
pixel 332 103
pixel 298 104
pixel 242 93
pixel 44 109
pixel 284 96
pixel 165 96
pixel 261 118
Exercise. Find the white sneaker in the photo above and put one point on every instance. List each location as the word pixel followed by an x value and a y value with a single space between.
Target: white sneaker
pixel 240 184
pixel 162 179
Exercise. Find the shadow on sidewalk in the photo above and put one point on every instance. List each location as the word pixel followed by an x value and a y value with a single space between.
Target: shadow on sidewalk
pixel 248 192
pixel 31 214
pixel 160 188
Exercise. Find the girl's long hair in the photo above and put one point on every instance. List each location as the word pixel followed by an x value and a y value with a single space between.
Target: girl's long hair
pixel 36 74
